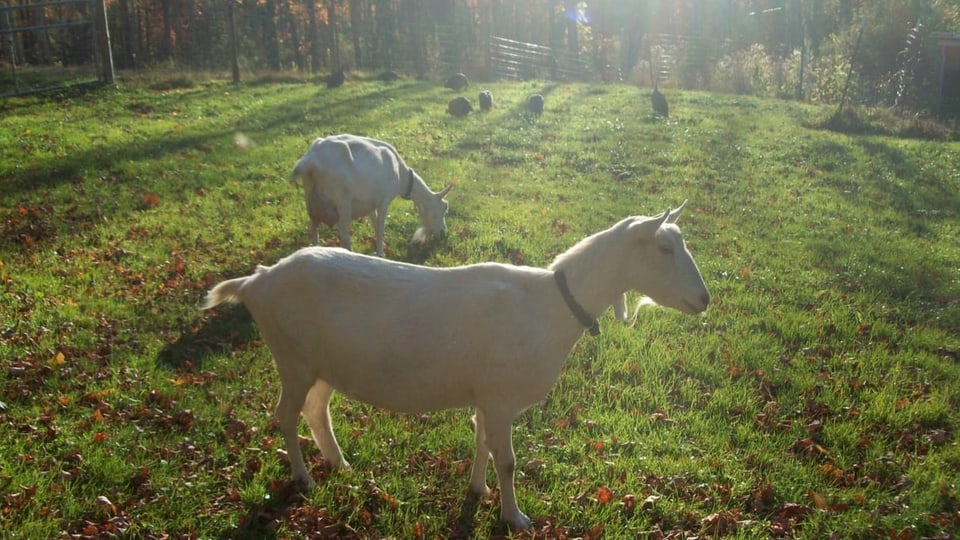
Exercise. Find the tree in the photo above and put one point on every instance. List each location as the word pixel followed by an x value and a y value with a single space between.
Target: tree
pixel 313 36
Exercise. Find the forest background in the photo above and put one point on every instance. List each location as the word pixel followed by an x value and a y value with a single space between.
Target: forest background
pixel 798 49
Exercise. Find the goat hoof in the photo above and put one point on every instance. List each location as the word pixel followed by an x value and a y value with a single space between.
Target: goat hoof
pixel 518 522
pixel 481 491
pixel 333 465
pixel 305 484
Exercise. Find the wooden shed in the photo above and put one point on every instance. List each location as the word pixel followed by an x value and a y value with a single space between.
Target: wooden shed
pixel 948 100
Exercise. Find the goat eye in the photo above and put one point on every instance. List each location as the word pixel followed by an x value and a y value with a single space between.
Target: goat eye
pixel 666 249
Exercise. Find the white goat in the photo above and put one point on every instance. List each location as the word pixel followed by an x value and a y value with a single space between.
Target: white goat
pixel 346 177
pixel 410 338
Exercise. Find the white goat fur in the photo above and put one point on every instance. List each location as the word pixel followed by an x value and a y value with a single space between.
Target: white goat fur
pixel 346 177
pixel 412 339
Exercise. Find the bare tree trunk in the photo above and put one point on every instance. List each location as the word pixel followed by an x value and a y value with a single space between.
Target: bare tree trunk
pixel 573 44
pixel 296 43
pixel 126 29
pixel 332 29
pixel 147 44
pixel 415 39
pixel 186 44
pixel 270 37
pixel 313 36
pixel 166 44
pixel 42 49
pixel 356 22
pixel 234 48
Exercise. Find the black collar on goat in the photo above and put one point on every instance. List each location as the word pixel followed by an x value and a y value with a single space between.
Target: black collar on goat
pixel 406 194
pixel 585 319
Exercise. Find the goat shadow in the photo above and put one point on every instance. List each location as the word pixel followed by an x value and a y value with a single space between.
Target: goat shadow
pixel 465 525
pixel 262 519
pixel 228 328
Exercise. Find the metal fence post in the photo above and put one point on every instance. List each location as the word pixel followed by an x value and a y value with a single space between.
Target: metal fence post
pixel 103 41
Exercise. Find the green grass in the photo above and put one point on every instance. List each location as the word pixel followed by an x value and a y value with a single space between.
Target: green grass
pixel 818 394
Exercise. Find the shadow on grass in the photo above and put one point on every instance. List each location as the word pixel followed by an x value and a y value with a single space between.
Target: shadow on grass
pixel 286 504
pixel 102 164
pixel 466 520
pixel 888 123
pixel 228 328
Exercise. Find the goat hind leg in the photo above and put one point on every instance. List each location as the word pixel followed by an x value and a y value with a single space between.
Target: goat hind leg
pixel 317 410
pixel 288 415
pixel 478 477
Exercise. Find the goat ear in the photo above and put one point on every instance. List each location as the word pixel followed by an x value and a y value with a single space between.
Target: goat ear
pixel 444 191
pixel 647 227
pixel 672 216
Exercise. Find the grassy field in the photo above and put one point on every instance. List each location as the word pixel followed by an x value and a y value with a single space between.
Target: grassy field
pixel 819 395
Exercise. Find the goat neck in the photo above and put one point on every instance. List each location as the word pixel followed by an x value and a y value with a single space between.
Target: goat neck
pixel 408 190
pixel 592 272
pixel 415 188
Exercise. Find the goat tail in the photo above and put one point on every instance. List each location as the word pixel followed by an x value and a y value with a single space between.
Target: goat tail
pixel 297 172
pixel 226 291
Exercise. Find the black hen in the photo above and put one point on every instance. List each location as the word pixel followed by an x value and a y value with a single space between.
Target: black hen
pixel 336 79
pixel 535 104
pixel 457 81
pixel 659 102
pixel 486 100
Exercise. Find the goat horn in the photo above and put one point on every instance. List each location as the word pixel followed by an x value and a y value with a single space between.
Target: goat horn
pixel 672 216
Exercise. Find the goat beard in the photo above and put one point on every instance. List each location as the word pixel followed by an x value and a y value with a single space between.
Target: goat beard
pixel 620 309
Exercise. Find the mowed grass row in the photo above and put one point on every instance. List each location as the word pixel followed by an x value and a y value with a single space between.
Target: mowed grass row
pixel 818 395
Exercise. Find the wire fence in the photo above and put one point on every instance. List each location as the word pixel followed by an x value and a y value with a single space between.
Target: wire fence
pixel 47 45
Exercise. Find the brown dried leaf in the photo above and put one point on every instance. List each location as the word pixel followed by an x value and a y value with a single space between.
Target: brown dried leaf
pixel 818 500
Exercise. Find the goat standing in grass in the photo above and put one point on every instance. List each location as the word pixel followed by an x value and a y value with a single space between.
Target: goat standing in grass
pixel 346 177
pixel 413 339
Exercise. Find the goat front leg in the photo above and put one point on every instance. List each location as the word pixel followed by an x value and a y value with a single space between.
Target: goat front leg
pixel 317 411
pixel 379 224
pixel 288 416
pixel 497 427
pixel 478 477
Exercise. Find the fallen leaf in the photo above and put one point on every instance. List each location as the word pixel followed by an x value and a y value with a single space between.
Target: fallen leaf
pixel 818 500
pixel 648 503
pixel 533 466
pixel 604 495
pixel 107 505
pixel 151 200
pixel 720 523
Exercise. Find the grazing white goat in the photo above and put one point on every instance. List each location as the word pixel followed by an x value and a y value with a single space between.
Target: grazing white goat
pixel 346 177
pixel 411 338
